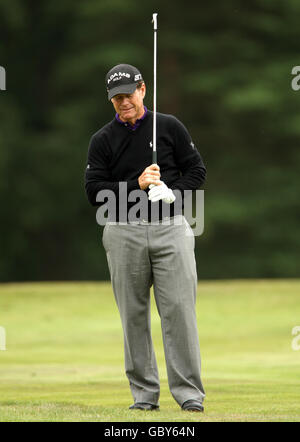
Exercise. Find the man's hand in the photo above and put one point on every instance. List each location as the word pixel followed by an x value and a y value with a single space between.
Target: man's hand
pixel 151 175
pixel 161 192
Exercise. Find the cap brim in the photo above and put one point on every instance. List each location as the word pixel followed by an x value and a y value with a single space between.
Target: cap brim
pixel 123 89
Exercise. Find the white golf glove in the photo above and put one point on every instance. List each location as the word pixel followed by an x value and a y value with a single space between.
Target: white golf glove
pixel 161 192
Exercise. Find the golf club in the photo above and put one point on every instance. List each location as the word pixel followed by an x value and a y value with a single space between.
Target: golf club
pixel 154 152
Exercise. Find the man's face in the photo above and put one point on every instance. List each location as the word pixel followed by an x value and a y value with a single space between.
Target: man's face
pixel 130 107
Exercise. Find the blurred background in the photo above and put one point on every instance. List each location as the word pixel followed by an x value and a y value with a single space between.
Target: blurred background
pixel 224 69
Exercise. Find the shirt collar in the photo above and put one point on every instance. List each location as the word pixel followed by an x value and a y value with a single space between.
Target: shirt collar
pixel 137 123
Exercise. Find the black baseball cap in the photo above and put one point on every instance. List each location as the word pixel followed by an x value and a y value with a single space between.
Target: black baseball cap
pixel 122 79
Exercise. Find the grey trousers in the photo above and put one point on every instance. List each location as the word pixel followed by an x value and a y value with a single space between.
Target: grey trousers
pixel 138 256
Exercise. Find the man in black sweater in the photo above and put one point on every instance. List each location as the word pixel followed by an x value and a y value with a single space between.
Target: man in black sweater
pixel 149 250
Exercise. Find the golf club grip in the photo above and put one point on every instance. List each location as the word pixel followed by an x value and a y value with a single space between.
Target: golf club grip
pixel 154 157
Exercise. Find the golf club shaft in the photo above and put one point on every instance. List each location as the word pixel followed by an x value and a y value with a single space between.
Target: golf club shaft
pixel 154 153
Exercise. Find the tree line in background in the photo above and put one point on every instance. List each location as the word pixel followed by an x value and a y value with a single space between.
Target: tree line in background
pixel 224 69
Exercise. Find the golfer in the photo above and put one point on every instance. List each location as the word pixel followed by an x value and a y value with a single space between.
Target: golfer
pixel 151 251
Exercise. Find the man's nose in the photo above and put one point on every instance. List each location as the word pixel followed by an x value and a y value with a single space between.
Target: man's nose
pixel 125 101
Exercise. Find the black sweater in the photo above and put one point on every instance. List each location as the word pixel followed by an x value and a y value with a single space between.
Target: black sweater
pixel 117 153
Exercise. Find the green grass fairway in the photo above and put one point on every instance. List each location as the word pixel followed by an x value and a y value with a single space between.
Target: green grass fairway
pixel 64 354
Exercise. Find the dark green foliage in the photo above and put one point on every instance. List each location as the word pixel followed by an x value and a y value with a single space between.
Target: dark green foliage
pixel 224 69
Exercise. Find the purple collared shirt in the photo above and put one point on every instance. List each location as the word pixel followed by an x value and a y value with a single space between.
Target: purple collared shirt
pixel 137 123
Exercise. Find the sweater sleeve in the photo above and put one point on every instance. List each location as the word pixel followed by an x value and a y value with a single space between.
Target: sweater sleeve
pixel 188 160
pixel 98 175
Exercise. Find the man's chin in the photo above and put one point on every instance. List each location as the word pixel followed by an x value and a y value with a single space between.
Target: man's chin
pixel 129 114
